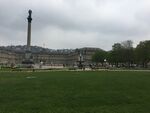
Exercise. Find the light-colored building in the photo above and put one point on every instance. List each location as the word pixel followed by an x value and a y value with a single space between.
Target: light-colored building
pixel 51 58
pixel 7 57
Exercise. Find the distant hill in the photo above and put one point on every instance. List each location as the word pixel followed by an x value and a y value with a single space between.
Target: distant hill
pixel 34 49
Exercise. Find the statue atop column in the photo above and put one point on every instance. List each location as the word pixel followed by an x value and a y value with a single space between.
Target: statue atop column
pixel 30 17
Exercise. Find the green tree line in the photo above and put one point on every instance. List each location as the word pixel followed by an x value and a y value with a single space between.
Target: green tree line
pixel 125 55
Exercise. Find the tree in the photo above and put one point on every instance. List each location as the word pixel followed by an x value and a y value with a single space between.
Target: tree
pixel 142 53
pixel 128 44
pixel 99 57
pixel 116 54
pixel 122 53
pixel 128 52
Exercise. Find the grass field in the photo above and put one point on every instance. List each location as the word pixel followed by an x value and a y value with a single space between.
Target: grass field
pixel 75 92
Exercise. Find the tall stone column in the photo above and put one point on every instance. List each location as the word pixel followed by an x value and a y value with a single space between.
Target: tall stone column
pixel 28 59
pixel 29 30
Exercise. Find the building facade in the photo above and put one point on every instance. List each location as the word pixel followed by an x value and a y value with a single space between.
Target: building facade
pixel 51 58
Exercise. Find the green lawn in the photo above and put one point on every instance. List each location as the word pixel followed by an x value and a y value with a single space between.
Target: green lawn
pixel 75 92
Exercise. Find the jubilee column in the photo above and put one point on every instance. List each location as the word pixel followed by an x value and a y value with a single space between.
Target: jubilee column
pixel 28 59
pixel 29 30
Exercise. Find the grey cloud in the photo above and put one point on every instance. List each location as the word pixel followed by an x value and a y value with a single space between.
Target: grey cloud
pixel 92 22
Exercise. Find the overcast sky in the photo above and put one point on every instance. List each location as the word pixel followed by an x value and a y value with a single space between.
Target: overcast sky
pixel 75 23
